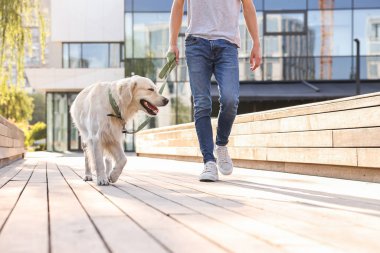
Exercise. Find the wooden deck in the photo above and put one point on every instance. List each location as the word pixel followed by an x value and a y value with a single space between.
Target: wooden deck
pixel 159 206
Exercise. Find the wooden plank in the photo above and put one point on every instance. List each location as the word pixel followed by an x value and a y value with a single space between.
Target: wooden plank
pixel 248 153
pixel 13 171
pixel 71 229
pixel 123 235
pixel 164 135
pixel 39 174
pixel 364 117
pixel 295 216
pixel 294 139
pixel 232 240
pixel 169 150
pixel 164 205
pixel 333 156
pixel 246 234
pixel 4 170
pixel 2 120
pixel 369 157
pixel 6 142
pixel 333 171
pixel 170 233
pixel 236 242
pixel 298 115
pixel 34 231
pixel 339 207
pixel 18 143
pixel 88 197
pixel 3 130
pixel 177 142
pixel 9 195
pixel 349 103
pixel 25 173
pixel 12 166
pixel 112 223
pixel 368 100
pixel 9 152
pixel 360 137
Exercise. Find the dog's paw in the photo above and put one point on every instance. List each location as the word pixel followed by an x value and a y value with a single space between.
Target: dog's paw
pixel 87 178
pixel 114 176
pixel 102 181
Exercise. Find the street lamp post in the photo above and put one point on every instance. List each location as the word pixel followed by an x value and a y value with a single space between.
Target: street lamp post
pixel 358 88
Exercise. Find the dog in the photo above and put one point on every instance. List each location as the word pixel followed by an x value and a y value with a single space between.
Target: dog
pixel 100 113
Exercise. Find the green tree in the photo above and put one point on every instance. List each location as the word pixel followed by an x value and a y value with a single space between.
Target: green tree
pixel 15 104
pixel 35 133
pixel 17 17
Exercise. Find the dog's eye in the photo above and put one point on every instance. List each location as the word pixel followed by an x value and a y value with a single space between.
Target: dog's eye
pixel 151 89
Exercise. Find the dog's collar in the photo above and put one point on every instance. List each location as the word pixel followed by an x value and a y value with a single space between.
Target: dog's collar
pixel 116 110
pixel 114 106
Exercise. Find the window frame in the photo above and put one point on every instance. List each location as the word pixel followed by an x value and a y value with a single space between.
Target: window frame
pixel 121 56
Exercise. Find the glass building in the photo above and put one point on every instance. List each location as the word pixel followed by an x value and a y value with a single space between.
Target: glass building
pixel 308 53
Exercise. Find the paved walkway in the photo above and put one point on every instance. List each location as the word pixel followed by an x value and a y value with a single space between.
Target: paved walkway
pixel 159 206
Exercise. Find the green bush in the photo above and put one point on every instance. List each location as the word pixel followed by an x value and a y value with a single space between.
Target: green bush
pixel 36 132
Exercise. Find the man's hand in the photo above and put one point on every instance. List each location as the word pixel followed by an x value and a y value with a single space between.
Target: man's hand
pixel 175 26
pixel 255 59
pixel 175 50
pixel 249 12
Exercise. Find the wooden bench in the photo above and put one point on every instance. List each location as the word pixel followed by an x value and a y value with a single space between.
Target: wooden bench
pixel 338 138
pixel 11 142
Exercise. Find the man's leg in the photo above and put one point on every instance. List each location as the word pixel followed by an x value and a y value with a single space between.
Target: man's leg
pixel 227 76
pixel 198 54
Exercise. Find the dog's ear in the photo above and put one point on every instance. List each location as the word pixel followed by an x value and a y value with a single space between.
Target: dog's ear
pixel 126 90
pixel 132 86
pixel 126 87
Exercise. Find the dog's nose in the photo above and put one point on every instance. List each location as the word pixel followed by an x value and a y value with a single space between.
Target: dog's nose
pixel 165 101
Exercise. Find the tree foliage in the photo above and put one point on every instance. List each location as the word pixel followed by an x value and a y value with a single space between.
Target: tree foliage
pixel 35 133
pixel 15 104
pixel 17 18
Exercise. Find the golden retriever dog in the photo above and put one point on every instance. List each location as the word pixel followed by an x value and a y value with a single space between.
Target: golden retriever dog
pixel 101 133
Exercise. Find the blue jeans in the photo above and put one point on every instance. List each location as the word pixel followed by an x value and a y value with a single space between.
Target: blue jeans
pixel 204 58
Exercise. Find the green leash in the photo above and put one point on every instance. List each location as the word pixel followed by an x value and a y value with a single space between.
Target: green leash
pixel 164 74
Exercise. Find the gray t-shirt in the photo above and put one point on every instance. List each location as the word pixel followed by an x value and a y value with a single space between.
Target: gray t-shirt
pixel 214 19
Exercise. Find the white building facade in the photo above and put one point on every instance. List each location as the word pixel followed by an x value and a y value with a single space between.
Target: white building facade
pixel 85 45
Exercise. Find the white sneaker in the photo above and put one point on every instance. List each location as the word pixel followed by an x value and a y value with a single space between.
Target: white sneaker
pixel 210 173
pixel 223 160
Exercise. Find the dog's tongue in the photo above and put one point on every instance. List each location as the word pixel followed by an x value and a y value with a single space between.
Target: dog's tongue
pixel 152 107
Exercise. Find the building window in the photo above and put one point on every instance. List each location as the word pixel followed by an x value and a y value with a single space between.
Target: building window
pixel 330 32
pixel 276 23
pixel 259 5
pixel 149 5
pixel 93 55
pixel 366 3
pixel 330 4
pixel 150 35
pixel 284 5
pixel 366 28
pixel 376 31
